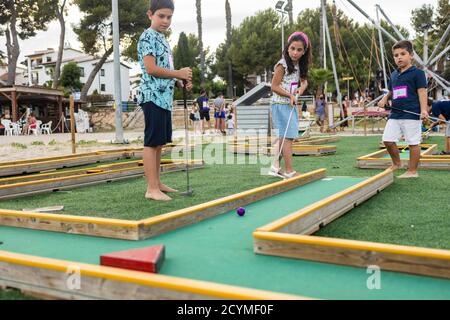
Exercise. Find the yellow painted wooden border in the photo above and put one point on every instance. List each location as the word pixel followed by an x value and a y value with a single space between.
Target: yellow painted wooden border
pixel 161 218
pixel 269 233
pixel 191 210
pixel 354 244
pixel 145 279
pixel 294 147
pixel 80 219
pixel 278 224
pixel 164 163
pixel 27 183
pixel 376 156
pixel 12 164
pixel 69 218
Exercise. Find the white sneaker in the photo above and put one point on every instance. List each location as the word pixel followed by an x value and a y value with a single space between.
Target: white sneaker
pixel 290 175
pixel 275 172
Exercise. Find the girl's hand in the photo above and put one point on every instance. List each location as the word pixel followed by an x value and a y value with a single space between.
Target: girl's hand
pixel 185 74
pixel 293 100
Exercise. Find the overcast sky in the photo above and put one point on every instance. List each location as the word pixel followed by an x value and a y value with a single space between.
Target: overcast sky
pixel 213 12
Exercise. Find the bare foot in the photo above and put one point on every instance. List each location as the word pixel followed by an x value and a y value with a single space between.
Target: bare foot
pixel 165 188
pixel 409 175
pixel 157 196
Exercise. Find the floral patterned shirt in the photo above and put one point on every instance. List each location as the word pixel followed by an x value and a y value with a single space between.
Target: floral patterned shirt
pixel 154 89
pixel 289 83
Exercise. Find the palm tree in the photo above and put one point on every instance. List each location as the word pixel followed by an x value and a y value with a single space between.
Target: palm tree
pixel 230 66
pixel 321 45
pixel 318 77
pixel 198 4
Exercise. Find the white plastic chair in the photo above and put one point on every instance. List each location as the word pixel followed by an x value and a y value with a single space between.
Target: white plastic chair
pixel 36 130
pixel 15 128
pixel 47 128
pixel 8 128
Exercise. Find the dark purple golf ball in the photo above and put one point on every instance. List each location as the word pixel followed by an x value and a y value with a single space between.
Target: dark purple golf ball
pixel 240 212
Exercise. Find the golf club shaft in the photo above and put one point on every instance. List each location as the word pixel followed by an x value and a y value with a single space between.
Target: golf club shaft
pixel 280 152
pixel 419 115
pixel 186 128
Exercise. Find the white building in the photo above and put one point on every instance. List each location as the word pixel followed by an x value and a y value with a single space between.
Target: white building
pixel 21 75
pixel 43 64
pixel 135 84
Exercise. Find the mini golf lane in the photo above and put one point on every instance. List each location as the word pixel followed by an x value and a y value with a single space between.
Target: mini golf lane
pixel 221 250
pixel 403 155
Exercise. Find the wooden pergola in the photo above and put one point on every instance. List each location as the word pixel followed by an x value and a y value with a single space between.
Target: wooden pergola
pixel 26 94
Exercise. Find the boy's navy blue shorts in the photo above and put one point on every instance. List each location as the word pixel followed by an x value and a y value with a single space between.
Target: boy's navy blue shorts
pixel 158 125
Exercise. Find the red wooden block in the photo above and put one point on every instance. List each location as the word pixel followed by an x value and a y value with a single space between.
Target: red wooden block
pixel 147 259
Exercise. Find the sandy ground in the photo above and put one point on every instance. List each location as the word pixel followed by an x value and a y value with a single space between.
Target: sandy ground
pixel 29 147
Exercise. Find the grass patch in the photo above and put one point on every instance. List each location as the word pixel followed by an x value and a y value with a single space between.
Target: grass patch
pixel 18 145
pixel 13 295
pixel 406 213
pixel 38 143
pixel 53 143
pixel 84 142
pixel 137 141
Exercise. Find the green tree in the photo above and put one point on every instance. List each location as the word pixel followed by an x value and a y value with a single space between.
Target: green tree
pixel 442 18
pixel 358 45
pixel 21 19
pixel 422 16
pixel 228 42
pixel 95 33
pixel 317 78
pixel 186 54
pixel 70 77
pixel 61 12
pixel 182 53
pixel 253 49
pixel 442 22
pixel 198 4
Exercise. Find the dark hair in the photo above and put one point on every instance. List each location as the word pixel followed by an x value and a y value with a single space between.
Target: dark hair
pixel 305 60
pixel 202 92
pixel 430 102
pixel 156 5
pixel 404 44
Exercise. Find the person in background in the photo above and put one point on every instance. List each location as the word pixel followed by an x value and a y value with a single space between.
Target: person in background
pixel 2 127
pixel 203 104
pixel 230 122
pixel 320 112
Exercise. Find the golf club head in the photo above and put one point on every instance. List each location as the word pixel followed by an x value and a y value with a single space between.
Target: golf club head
pixel 188 193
